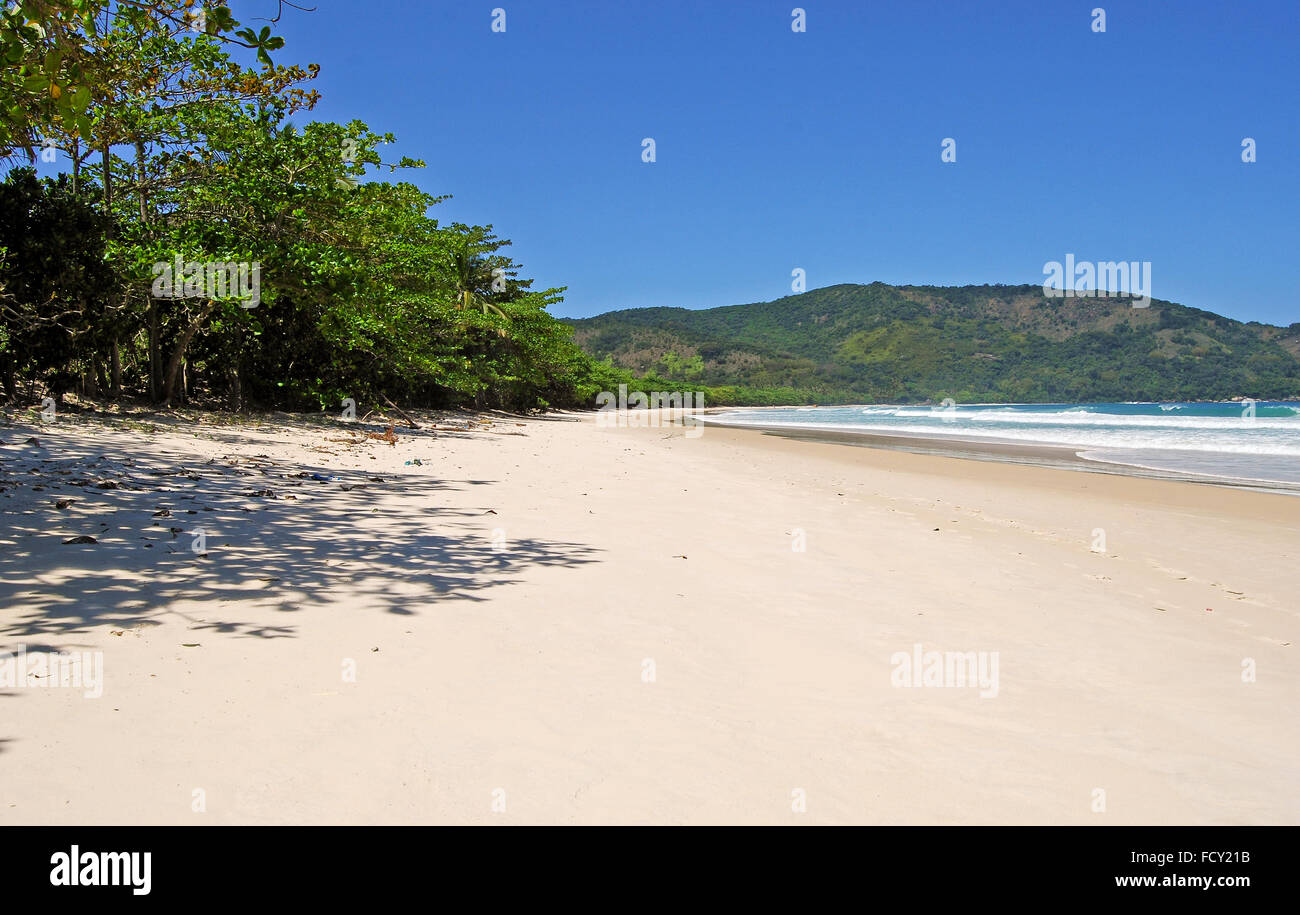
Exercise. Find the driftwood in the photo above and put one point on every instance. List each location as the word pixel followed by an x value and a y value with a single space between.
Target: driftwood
pixel 402 413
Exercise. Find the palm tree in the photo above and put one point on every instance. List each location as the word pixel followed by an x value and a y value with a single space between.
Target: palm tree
pixel 473 275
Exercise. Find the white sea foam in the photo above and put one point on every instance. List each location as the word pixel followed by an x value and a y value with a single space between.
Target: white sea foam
pixel 1253 447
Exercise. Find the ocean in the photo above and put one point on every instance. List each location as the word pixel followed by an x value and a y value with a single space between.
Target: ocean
pixel 1234 442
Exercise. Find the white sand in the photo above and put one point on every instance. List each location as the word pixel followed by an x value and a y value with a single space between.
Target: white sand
pixel 522 669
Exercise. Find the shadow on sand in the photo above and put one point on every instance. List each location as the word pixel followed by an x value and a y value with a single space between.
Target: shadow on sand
pixel 206 531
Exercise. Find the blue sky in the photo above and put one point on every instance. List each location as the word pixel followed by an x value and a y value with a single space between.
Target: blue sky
pixel 821 150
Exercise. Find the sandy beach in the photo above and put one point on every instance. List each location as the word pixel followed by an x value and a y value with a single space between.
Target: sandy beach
pixel 539 620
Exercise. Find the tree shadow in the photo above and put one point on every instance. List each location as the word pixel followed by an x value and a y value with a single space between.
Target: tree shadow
pixel 192 535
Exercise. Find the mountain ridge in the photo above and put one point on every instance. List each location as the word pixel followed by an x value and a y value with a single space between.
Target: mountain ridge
pixel 995 343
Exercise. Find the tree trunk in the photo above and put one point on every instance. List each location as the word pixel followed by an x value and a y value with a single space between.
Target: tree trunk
pixel 236 372
pixel 10 382
pixel 155 353
pixel 236 390
pixel 139 172
pixel 116 370
pixel 154 361
pixel 178 354
pixel 108 181
pixel 101 380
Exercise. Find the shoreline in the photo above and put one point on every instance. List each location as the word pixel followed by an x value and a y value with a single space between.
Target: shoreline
pixel 1065 457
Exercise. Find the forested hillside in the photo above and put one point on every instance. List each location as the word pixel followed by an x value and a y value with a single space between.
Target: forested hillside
pixel 881 343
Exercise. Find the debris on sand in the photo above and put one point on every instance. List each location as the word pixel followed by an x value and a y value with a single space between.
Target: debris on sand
pixel 387 435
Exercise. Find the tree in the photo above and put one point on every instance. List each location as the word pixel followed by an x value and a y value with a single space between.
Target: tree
pixel 54 65
pixel 186 154
pixel 57 281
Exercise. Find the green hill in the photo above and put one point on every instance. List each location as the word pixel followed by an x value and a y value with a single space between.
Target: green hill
pixel 902 344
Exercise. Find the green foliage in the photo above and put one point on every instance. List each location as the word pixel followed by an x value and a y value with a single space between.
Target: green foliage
pixel 363 294
pixel 58 286
pixel 58 63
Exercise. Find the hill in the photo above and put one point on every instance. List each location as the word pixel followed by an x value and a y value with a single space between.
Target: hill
pixel 903 344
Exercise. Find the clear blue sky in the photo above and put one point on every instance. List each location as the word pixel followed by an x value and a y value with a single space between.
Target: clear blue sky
pixel 821 150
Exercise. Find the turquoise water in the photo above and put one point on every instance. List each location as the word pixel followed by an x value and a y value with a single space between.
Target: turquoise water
pixel 1226 440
